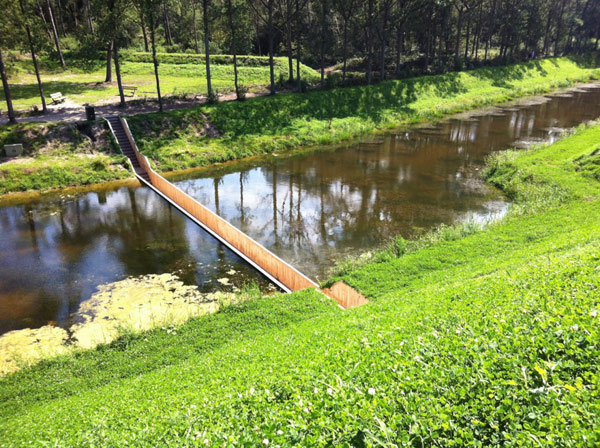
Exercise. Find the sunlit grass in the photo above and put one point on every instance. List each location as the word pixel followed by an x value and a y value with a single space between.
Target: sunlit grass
pixel 481 337
pixel 85 83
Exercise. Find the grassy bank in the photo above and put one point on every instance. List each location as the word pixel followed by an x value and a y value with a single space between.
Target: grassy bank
pixel 488 338
pixel 60 155
pixel 267 124
pixel 209 134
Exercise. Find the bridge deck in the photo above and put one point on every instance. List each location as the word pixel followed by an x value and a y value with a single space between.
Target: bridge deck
pixel 281 273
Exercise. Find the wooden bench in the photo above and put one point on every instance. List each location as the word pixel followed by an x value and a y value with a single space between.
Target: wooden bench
pixel 130 91
pixel 57 98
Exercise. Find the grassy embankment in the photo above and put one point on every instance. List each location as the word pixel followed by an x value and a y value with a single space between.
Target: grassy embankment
pixel 180 74
pixel 485 338
pixel 186 138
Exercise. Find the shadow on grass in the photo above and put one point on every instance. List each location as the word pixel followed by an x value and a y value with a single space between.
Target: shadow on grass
pixel 273 115
pixel 21 92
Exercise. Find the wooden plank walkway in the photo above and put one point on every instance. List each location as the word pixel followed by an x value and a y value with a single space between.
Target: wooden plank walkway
pixel 281 273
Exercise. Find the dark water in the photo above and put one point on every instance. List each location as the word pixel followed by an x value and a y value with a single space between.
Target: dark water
pixel 54 253
pixel 314 208
pixel 311 209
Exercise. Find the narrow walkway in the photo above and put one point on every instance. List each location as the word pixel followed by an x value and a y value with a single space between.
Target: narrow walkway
pixel 126 146
pixel 274 268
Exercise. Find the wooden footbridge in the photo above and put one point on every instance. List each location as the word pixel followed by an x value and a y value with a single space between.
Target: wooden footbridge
pixel 270 265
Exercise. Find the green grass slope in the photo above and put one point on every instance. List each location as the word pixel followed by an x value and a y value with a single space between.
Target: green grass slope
pixel 60 155
pixel 488 339
pixel 262 125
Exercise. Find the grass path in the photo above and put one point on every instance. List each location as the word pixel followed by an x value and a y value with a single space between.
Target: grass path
pixel 483 339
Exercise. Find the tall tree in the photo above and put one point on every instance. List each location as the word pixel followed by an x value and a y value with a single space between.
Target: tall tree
pixel 195 25
pixel 6 87
pixel 231 19
pixel 167 23
pixel 300 5
pixel 460 9
pixel 369 33
pixel 55 35
pixel 26 20
pixel 206 20
pixel 109 52
pixel 322 44
pixel 346 9
pixel 150 7
pixel 286 11
pixel 139 6
pixel 90 21
pixel 385 10
pixel 269 6
pixel 114 29
pixel 118 72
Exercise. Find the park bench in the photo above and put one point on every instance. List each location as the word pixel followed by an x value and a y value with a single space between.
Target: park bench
pixel 129 91
pixel 57 97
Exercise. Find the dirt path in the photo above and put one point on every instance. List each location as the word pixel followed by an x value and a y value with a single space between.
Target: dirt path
pixel 70 111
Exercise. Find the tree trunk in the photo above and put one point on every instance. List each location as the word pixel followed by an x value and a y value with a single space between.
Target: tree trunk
pixel 485 54
pixel 7 96
pixel 290 53
pixel 478 36
pixel 118 72
pixel 59 17
pixel 257 25
pixel 428 42
pixel 168 36
pixel 458 31
pixel 109 77
pixel 370 42
pixel 43 16
pixel 271 62
pixel 345 50
pixel 322 46
pixel 466 58
pixel 547 33
pixel 155 60
pixel 89 17
pixel 233 48
pixel 383 39
pixel 55 35
pixel 33 57
pixel 144 31
pixel 298 46
pixel 399 45
pixel 75 16
pixel 207 48
pixel 197 47
pixel 288 38
pixel 559 28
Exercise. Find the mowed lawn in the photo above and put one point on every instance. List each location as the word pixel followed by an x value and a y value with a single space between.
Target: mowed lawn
pixel 83 83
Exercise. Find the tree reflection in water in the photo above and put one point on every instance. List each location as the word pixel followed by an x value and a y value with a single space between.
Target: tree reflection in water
pixel 316 207
pixel 55 252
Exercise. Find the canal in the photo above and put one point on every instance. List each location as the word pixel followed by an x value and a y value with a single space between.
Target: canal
pixel 310 207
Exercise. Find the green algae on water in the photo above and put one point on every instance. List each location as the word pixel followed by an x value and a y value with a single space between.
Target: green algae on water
pixel 131 305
